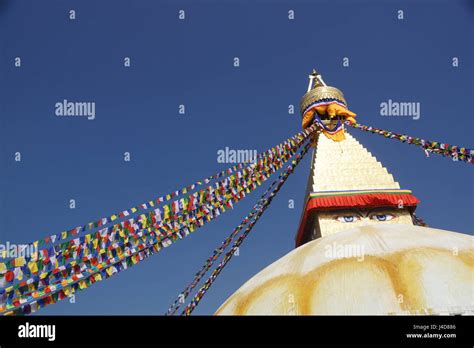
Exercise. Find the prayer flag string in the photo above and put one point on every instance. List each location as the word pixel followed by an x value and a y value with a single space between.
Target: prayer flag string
pixel 457 153
pixel 258 211
pixel 162 199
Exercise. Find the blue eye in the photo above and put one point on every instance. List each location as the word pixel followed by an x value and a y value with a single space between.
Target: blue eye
pixel 347 218
pixel 382 217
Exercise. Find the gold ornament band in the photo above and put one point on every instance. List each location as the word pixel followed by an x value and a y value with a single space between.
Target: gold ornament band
pixel 319 94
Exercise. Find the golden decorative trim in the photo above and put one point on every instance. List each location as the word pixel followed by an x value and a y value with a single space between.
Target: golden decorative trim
pixel 319 93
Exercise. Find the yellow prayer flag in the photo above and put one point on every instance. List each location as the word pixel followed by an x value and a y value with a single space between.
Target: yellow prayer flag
pixel 166 210
pixel 33 266
pixel 19 261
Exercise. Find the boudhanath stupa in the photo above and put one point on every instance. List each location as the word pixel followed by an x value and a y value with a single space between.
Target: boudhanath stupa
pixel 359 247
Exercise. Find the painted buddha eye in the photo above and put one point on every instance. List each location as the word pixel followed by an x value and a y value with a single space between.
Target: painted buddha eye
pixel 347 218
pixel 382 217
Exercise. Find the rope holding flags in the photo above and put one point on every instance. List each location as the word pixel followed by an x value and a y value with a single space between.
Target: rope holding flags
pixel 457 153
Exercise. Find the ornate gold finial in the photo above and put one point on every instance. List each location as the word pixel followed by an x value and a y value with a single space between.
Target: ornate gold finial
pixel 316 79
pixel 318 91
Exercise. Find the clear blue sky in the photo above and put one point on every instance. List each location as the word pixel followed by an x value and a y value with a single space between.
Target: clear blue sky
pixel 191 62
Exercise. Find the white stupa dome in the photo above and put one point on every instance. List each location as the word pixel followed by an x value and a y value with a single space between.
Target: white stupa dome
pixel 373 269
